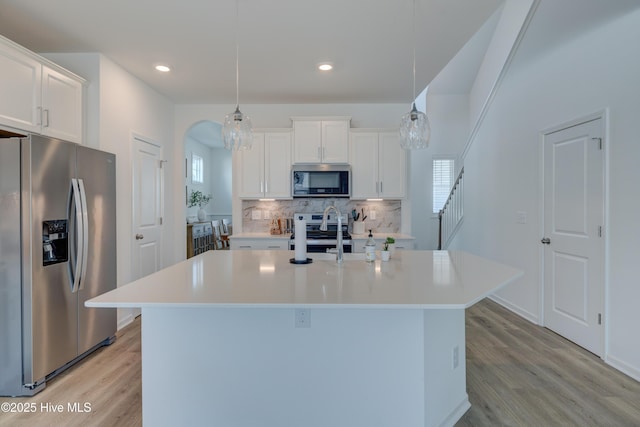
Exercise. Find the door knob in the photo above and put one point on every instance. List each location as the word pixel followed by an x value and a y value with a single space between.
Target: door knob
pixel 139 236
pixel 545 241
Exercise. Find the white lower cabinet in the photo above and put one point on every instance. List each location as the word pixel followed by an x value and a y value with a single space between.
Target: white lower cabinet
pixel 259 244
pixel 378 165
pixel 37 96
pixel 265 170
pixel 401 244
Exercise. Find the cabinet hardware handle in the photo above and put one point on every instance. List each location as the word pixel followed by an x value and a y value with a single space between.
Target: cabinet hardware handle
pixel 139 236
pixel 46 113
pixel 545 241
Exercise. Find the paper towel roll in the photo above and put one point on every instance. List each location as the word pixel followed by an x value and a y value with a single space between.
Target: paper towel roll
pixel 300 240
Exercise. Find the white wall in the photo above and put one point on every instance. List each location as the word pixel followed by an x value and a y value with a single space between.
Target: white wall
pixel 448 115
pixel 221 182
pixel 194 147
pixel 597 71
pixel 117 106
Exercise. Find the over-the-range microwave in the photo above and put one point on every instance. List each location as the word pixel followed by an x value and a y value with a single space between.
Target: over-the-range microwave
pixel 322 180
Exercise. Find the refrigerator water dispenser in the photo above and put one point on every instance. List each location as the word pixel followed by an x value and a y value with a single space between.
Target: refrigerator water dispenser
pixel 55 242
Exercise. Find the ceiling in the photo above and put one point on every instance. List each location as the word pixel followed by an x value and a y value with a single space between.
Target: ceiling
pixel 281 41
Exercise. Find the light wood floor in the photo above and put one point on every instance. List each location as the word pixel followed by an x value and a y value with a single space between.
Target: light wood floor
pixel 110 380
pixel 518 374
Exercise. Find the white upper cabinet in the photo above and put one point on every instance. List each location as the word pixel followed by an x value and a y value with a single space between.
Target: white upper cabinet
pixel 321 140
pixel 37 96
pixel 20 93
pixel 277 165
pixel 61 105
pixel 265 170
pixel 378 165
pixel 392 166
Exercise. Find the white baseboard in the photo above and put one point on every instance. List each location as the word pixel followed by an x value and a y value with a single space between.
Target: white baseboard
pixel 517 310
pixel 125 321
pixel 624 367
pixel 457 413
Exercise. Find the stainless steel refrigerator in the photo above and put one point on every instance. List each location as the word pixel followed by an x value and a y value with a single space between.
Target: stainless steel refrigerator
pixel 57 249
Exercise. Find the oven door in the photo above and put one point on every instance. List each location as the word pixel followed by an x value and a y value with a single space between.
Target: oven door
pixel 319 246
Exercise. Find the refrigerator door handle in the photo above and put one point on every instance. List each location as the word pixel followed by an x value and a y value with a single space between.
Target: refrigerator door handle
pixel 77 204
pixel 85 234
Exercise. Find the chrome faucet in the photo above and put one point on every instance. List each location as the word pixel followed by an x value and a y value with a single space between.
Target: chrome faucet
pixel 323 227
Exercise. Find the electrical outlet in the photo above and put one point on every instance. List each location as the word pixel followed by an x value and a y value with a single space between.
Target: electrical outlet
pixel 455 357
pixel 266 214
pixel 521 217
pixel 373 214
pixel 303 318
pixel 256 214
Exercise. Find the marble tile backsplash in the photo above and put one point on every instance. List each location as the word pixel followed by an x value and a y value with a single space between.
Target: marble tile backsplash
pixel 387 212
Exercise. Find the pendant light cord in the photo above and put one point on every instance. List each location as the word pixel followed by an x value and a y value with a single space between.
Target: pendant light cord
pixel 237 56
pixel 413 31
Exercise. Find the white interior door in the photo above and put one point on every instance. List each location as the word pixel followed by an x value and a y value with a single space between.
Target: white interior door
pixel 573 227
pixel 147 208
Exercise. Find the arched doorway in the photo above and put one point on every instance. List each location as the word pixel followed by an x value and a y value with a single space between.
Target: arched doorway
pixel 208 169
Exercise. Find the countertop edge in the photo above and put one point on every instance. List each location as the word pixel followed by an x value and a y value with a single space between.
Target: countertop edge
pixel 280 306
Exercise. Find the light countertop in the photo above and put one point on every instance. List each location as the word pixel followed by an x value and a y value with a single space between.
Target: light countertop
pixel 287 236
pixel 246 279
pixel 260 235
pixel 382 236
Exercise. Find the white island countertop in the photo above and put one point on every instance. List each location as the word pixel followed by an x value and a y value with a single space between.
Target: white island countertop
pixel 254 279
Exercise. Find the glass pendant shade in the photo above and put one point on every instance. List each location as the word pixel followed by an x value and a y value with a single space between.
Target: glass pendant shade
pixel 236 131
pixel 414 130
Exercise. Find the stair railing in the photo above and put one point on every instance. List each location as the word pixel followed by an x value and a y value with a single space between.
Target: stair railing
pixel 451 214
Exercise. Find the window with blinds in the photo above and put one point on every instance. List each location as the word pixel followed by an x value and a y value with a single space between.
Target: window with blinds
pixel 442 181
pixel 197 169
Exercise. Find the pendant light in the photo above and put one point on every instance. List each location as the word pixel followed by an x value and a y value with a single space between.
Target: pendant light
pixel 414 126
pixel 236 131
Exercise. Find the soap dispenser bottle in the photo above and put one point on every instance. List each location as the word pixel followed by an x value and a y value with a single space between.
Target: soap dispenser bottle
pixel 370 249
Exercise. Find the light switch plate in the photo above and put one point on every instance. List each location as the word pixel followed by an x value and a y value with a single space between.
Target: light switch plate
pixel 256 214
pixel 266 214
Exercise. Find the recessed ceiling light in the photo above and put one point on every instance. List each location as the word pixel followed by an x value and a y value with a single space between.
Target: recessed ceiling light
pixel 325 66
pixel 163 68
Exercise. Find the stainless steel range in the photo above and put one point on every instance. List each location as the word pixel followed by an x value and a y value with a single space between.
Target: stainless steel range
pixel 322 241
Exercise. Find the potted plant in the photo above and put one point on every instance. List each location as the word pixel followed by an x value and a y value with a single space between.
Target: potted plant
pixel 391 242
pixel 197 198
pixel 385 254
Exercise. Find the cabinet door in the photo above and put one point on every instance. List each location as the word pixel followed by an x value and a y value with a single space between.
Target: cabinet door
pixel 20 95
pixel 307 137
pixel 405 244
pixel 335 141
pixel 277 164
pixel 392 168
pixel 364 165
pixel 252 169
pixel 259 244
pixel 61 106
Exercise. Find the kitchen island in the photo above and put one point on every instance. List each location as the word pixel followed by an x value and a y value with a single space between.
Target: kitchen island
pixel 245 338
